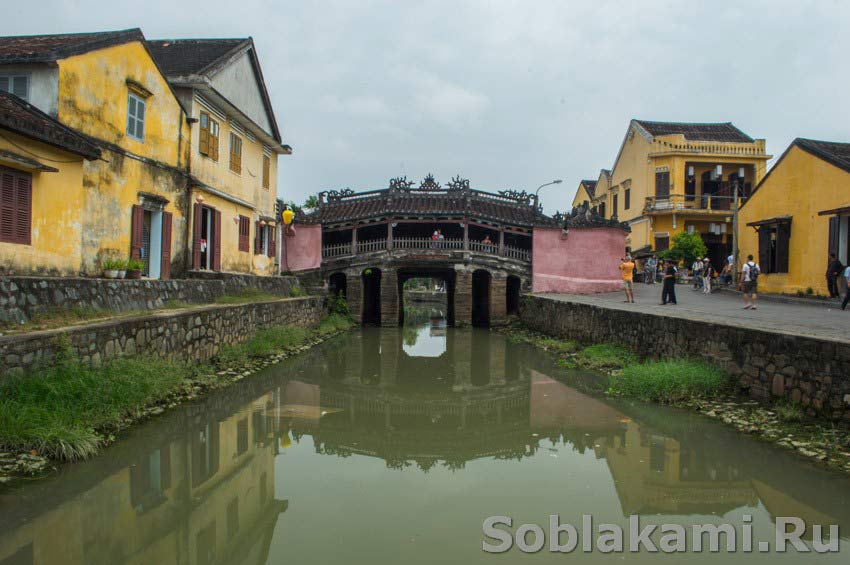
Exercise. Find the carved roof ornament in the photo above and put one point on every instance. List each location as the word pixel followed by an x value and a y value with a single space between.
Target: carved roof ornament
pixel 457 184
pixel 400 183
pixel 430 183
pixel 520 196
pixel 334 195
pixel 583 216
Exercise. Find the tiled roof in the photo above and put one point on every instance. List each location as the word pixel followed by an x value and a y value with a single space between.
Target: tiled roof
pixel 25 119
pixel 472 204
pixel 181 57
pixel 696 131
pixel 589 187
pixel 50 48
pixel 832 152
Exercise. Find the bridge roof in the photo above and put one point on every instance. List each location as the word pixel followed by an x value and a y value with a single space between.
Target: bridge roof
pixel 429 201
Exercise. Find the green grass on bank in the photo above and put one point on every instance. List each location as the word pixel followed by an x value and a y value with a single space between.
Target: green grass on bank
pixel 247 295
pixel 668 381
pixel 64 411
pixel 605 356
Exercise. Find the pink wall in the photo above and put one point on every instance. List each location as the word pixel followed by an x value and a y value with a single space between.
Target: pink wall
pixel 303 251
pixel 583 261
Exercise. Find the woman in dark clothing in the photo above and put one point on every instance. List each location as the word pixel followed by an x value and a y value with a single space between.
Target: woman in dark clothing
pixel 668 290
pixel 833 271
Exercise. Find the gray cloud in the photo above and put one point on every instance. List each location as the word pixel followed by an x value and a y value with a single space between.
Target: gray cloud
pixel 508 94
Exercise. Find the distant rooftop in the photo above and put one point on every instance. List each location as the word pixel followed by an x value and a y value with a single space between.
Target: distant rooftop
pixel 724 132
pixel 181 57
pixel 832 152
pixel 49 48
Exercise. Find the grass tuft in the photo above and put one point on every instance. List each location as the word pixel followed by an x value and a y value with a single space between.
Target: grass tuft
pixel 668 381
pixel 605 356
pixel 247 295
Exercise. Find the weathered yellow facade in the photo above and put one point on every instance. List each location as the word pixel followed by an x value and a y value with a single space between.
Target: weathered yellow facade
pixel 660 184
pixel 800 187
pixel 93 98
pixel 584 193
pixel 57 203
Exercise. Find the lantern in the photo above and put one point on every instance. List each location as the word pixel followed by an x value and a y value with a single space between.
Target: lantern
pixel 287 216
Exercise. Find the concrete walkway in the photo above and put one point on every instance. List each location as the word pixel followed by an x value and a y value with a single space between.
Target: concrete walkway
pixel 726 308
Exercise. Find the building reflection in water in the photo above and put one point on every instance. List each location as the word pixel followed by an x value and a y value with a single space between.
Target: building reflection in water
pixel 197 486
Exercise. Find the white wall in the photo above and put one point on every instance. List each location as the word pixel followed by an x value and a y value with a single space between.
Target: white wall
pixel 238 83
pixel 44 85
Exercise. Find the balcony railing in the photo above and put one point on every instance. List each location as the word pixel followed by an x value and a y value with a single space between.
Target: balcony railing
pixel 666 146
pixel 424 244
pixel 690 203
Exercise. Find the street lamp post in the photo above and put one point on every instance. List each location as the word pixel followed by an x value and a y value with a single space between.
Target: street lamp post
pixel 537 192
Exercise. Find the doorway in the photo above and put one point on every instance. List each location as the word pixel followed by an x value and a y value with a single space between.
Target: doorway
pixel 481 298
pixel 512 289
pixel 371 279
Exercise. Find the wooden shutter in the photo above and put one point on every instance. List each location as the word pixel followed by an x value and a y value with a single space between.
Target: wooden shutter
pixel 214 129
pixel 266 170
pixel 662 184
pixel 7 206
pixel 627 201
pixel 165 263
pixel 196 237
pixel 783 241
pixel 272 250
pixel 15 206
pixel 204 138
pixel 764 248
pixel 216 257
pixel 257 240
pixel 136 228
pixel 244 234
pixel 834 227
pixel 23 225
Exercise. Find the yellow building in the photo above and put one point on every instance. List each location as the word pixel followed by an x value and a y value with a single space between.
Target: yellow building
pixel 132 201
pixel 41 191
pixel 584 192
pixel 235 145
pixel 672 177
pixel 798 215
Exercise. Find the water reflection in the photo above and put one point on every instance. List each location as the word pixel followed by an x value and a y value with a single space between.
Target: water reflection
pixel 363 431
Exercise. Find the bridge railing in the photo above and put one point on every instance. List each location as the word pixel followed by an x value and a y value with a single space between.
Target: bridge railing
pixel 424 243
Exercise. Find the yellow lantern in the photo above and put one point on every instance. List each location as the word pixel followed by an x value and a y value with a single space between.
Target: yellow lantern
pixel 287 215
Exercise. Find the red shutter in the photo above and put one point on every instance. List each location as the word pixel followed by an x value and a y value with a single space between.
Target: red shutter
pixel 257 244
pixel 165 263
pixel 196 237
pixel 272 251
pixel 7 206
pixel 24 224
pixel 136 226
pixel 217 238
pixel 15 206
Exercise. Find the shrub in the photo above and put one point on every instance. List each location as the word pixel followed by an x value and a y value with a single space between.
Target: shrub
pixel 605 356
pixel 668 381
pixel 295 291
pixel 338 305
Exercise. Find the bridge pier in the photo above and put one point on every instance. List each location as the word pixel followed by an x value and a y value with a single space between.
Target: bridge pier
pixel 463 296
pixel 390 299
pixel 498 299
pixel 354 295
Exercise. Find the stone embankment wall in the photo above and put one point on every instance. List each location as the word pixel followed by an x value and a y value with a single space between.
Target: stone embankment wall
pixel 23 297
pixel 192 334
pixel 235 283
pixel 801 369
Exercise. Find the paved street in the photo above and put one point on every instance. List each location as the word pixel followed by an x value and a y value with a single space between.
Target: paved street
pixel 726 308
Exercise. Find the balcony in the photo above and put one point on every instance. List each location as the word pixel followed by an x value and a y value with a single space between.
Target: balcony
pixel 339 250
pixel 708 204
pixel 666 147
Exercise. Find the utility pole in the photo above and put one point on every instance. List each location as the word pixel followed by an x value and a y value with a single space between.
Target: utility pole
pixel 734 265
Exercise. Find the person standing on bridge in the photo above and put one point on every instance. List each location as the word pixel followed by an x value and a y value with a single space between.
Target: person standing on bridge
pixel 847 289
pixel 668 289
pixel 650 270
pixel 627 270
pixel 833 273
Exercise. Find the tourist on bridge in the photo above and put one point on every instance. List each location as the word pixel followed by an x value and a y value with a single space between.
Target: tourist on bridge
pixel 749 283
pixel 696 273
pixel 668 290
pixel 650 270
pixel 627 269
pixel 488 244
pixel 707 275
pixel 833 272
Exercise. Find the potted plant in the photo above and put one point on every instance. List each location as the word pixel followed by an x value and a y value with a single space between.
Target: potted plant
pixel 111 267
pixel 134 268
pixel 122 269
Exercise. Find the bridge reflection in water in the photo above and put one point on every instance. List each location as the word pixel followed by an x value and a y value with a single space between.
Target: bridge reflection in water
pixel 205 483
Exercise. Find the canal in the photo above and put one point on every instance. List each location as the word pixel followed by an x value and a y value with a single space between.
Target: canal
pixel 393 446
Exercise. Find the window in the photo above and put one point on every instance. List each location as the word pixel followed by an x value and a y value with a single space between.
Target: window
pixel 614 206
pixel 774 240
pixel 627 200
pixel 662 243
pixel 267 164
pixel 662 184
pixel 235 153
pixel 15 206
pixel 602 209
pixel 19 85
pixel 208 140
pixel 135 117
pixel 241 436
pixel 244 233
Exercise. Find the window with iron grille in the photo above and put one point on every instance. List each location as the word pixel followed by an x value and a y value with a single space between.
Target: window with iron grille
pixel 136 117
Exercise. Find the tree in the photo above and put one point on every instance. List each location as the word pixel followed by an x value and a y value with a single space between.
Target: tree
pixel 687 247
pixel 312 201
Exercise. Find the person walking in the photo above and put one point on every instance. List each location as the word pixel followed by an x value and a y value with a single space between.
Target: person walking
pixel 650 269
pixel 833 270
pixel 707 275
pixel 627 269
pixel 696 273
pixel 847 290
pixel 668 290
pixel 749 282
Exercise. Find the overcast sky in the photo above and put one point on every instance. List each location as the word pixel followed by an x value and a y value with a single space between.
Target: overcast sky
pixel 507 94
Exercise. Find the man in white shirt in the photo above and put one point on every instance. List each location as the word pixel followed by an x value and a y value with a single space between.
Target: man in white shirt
pixel 846 292
pixel 749 281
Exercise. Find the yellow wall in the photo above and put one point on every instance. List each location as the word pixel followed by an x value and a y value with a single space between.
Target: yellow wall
pixel 800 185
pixel 246 186
pixel 581 196
pixel 57 201
pixel 93 93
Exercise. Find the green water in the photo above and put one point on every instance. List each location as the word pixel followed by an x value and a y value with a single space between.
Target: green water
pixel 393 446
